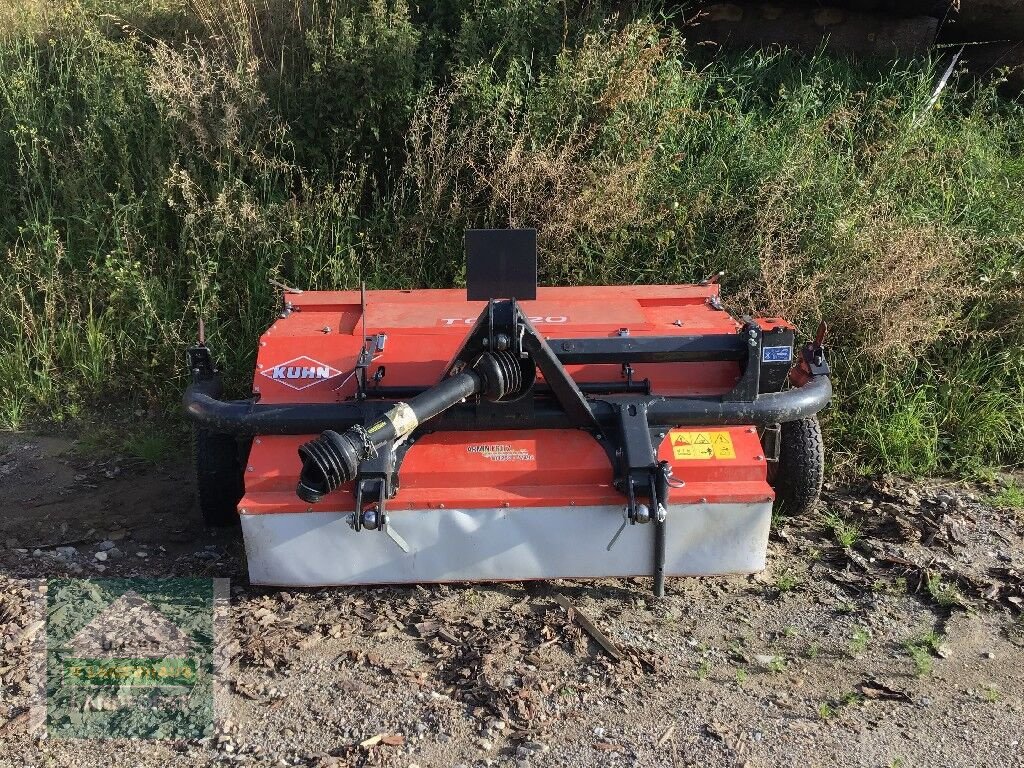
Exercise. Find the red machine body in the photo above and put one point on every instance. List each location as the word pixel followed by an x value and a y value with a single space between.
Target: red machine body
pixel 308 356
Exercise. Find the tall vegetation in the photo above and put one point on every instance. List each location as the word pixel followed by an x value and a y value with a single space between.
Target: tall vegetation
pixel 162 161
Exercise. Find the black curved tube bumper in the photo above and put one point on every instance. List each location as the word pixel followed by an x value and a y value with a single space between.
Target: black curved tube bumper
pixel 245 417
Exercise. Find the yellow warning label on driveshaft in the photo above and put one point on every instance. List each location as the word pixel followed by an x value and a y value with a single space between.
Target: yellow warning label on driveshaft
pixel 702 445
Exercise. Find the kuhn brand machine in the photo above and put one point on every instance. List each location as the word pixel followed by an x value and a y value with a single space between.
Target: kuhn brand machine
pixel 512 433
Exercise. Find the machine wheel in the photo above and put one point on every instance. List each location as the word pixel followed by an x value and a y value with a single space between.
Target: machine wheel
pixel 798 474
pixel 220 478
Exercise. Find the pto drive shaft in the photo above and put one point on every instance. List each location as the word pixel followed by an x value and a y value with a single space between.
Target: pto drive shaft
pixel 333 458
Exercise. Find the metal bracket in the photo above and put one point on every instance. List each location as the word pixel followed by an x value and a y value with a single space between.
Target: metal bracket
pixel 771 439
pixel 376 483
pixel 200 363
pixel 503 326
pixel 815 359
pixel 641 476
pixel 563 386
pixel 746 389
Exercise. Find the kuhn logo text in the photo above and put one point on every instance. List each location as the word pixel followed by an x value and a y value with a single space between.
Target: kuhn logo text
pixel 300 373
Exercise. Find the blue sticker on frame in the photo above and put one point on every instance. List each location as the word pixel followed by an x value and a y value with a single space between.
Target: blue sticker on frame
pixel 776 354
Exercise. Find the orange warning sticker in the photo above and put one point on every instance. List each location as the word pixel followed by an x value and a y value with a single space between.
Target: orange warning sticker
pixel 702 445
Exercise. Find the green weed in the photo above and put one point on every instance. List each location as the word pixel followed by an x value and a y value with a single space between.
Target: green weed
pixel 1010 496
pixel 844 531
pixel 921 651
pixel 922 659
pixel 850 698
pixel 150 447
pixel 859 641
pixel 786 581
pixel 944 593
pixel 932 640
pixel 846 607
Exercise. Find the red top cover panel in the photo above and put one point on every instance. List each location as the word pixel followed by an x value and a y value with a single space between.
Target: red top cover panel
pixel 310 355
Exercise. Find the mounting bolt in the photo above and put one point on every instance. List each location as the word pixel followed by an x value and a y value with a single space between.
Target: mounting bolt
pixel 759 458
pixel 250 469
pixel 752 342
pixel 751 430
pixel 243 511
pixel 703 499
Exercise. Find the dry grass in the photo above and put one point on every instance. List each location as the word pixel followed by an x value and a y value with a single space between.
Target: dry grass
pixel 584 178
pixel 19 17
pixel 900 289
pixel 164 158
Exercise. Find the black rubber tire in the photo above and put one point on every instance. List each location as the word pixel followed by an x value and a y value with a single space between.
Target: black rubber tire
pixel 798 475
pixel 220 477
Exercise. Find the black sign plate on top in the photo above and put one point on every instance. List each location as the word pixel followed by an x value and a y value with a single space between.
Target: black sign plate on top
pixel 501 264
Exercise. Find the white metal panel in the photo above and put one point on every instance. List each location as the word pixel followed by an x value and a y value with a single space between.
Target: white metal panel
pixel 319 548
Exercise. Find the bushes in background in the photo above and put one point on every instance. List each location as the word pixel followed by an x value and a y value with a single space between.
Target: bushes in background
pixel 163 161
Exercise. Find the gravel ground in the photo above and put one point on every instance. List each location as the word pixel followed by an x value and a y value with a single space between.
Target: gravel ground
pixel 904 648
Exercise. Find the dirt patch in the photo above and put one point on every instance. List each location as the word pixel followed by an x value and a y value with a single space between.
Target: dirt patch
pixel 886 631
